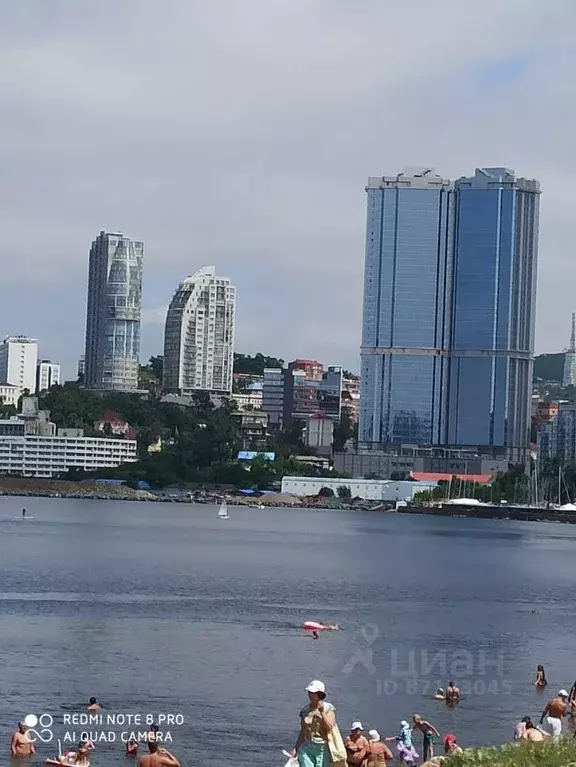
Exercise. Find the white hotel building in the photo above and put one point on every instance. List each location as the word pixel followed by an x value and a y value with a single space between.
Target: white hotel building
pixel 30 447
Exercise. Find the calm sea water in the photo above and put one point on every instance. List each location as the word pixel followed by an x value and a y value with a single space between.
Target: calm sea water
pixel 165 610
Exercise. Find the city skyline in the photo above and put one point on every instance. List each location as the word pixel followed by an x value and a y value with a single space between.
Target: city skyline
pixel 261 171
pixel 449 296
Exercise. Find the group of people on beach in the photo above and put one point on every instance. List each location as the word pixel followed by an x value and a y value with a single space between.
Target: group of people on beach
pixel 22 747
pixel 320 742
pixel 556 709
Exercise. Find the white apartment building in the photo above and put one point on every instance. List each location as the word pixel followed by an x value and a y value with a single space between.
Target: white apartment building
pixel 47 375
pixel 36 456
pixel 250 400
pixel 18 358
pixel 9 395
pixel 199 335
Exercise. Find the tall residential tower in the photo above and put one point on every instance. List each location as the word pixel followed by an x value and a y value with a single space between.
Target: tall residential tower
pixel 449 311
pixel 199 335
pixel 113 313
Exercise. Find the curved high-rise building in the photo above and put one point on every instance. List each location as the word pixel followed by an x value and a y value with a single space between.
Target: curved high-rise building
pixel 113 313
pixel 199 335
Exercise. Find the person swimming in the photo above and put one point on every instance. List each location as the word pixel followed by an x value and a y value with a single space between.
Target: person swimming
pixel 440 694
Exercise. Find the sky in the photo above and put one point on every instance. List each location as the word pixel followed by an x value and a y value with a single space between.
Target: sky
pixel 241 133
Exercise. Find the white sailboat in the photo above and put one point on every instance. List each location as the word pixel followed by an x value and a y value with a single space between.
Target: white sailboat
pixel 223 513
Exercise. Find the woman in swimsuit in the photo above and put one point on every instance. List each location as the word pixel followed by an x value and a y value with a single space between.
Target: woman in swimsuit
pixel 540 682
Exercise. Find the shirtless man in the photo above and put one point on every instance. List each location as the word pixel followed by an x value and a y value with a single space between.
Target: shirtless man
pixel 554 711
pixel 452 693
pixel 94 706
pixel 158 757
pixel 21 745
pixel 429 732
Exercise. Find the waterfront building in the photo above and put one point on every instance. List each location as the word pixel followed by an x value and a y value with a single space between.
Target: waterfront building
pixel 18 359
pixel 449 308
pixel 368 489
pixel 47 375
pixel 113 313
pixel 199 335
pixel 569 376
pixel 31 446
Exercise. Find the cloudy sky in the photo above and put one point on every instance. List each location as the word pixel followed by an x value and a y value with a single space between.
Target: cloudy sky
pixel 241 133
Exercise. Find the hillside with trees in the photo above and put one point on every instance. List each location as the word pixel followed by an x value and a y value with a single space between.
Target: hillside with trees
pixel 549 367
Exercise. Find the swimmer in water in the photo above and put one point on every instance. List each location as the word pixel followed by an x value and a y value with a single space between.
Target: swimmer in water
pixel 440 694
pixel 21 746
pixel 94 706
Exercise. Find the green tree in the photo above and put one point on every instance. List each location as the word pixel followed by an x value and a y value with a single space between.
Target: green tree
pixel 244 363
pixel 326 492
pixel 549 367
pixel 344 492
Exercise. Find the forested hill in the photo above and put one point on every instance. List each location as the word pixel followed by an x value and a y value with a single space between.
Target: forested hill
pixel 549 367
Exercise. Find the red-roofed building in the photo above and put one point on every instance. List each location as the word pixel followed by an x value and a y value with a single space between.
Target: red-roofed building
pixel 117 426
pixel 425 476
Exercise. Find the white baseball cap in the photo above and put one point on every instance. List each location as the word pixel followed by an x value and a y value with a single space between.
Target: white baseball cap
pixel 563 694
pixel 357 726
pixel 374 735
pixel 316 686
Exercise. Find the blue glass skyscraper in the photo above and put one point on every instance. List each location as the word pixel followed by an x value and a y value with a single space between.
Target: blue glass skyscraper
pixel 406 308
pixel 448 326
pixel 494 295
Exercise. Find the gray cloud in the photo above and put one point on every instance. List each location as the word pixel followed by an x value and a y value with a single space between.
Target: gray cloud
pixel 242 134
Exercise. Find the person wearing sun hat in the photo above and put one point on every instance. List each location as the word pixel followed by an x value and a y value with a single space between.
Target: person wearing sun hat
pixel 554 711
pixel 378 752
pixel 356 746
pixel 319 739
pixel 450 745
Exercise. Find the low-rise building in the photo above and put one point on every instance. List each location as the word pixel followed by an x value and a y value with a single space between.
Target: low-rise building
pixel 114 425
pixel 9 395
pixel 248 400
pixel 31 447
pixel 253 427
pixel 35 456
pixel 319 433
pixel 368 489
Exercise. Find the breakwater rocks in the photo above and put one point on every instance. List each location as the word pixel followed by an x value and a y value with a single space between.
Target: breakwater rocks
pixel 48 488
pixel 500 511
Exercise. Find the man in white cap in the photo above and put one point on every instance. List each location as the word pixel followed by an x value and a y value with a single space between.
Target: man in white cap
pixel 356 744
pixel 554 711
